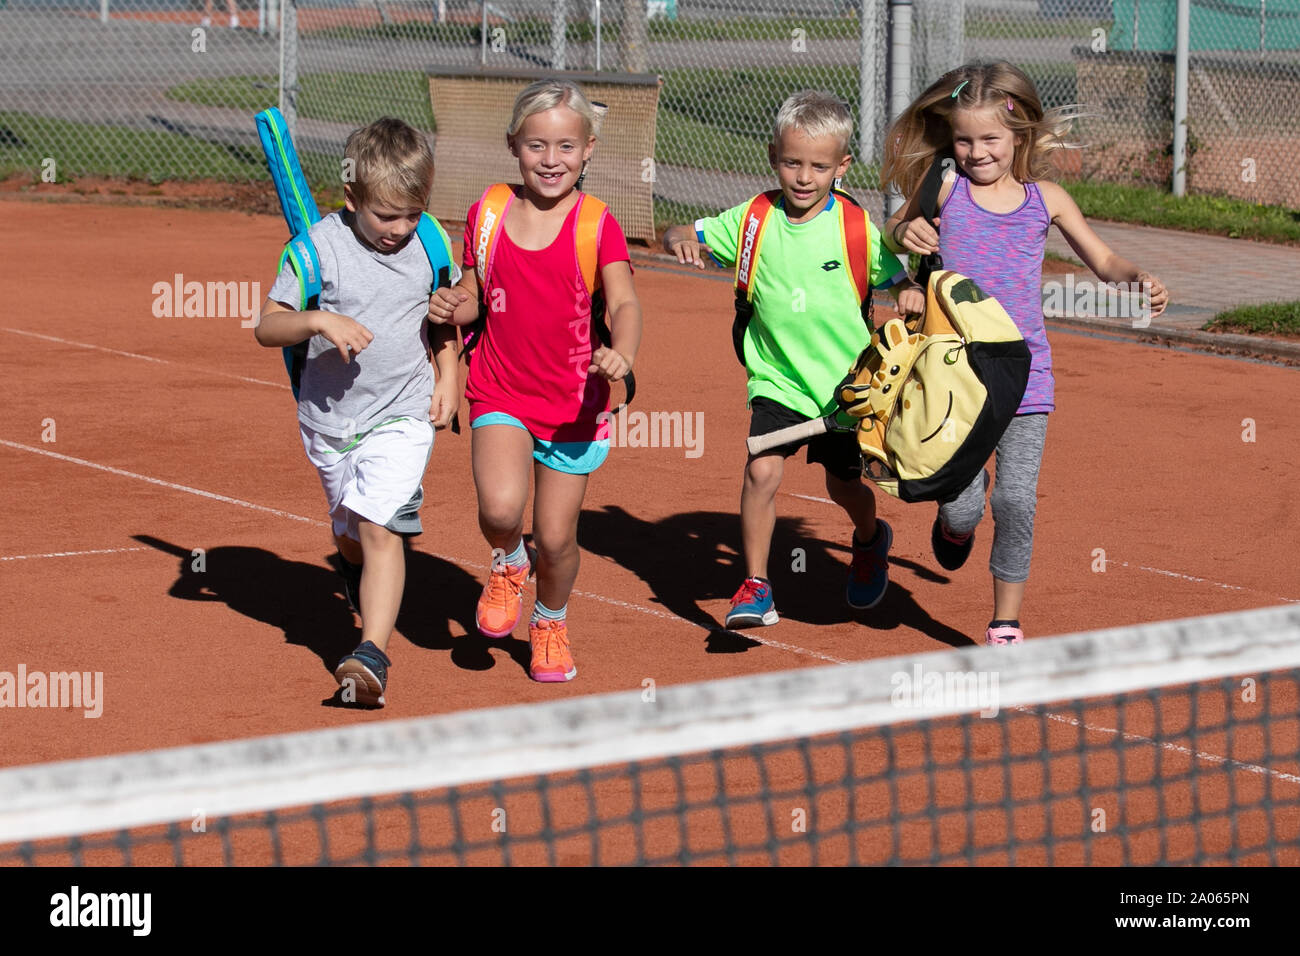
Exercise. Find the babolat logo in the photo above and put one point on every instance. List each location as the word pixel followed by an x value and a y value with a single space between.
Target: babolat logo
pixel 484 231
pixel 747 250
pixel 830 265
pixel 102 909
pixel 304 254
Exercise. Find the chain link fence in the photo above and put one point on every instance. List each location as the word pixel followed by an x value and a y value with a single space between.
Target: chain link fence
pixel 148 89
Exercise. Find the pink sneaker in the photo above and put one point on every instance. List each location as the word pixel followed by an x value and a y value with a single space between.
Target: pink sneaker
pixel 1004 634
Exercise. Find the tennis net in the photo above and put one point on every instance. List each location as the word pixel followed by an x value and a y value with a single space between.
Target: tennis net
pixel 1169 743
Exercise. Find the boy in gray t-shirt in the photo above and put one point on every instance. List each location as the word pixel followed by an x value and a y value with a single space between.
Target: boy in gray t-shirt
pixel 368 394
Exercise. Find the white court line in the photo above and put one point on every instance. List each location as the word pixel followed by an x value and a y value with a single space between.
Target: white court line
pixel 145 358
pixel 1138 567
pixel 636 607
pixel 1165 745
pixel 69 554
pixel 287 514
pixel 158 481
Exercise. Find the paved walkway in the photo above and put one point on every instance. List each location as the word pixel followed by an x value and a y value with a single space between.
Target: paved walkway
pixel 1205 275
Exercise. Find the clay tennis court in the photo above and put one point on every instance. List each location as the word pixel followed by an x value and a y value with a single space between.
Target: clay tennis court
pixel 176 434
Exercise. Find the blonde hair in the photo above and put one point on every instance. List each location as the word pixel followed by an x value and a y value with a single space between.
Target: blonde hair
pixel 546 95
pixel 815 114
pixel 924 130
pixel 391 162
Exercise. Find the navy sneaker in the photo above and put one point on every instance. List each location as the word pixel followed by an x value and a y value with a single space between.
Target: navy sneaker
pixel 950 550
pixel 363 675
pixel 752 605
pixel 351 575
pixel 869 571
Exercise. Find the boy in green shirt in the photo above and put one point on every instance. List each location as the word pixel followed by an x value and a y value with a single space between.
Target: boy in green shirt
pixel 805 332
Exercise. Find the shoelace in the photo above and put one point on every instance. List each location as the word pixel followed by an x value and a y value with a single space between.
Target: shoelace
pixel 749 592
pixel 556 637
pixel 504 585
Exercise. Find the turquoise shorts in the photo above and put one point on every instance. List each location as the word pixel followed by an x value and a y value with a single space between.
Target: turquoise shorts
pixel 568 457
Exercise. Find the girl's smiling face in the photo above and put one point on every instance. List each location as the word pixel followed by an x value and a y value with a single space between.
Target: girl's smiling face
pixel 551 147
pixel 983 145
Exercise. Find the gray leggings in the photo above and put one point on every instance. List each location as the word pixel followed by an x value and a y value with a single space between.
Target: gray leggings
pixel 1015 499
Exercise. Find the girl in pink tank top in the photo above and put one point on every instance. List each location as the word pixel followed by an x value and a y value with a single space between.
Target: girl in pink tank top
pixel 539 378
pixel 992 227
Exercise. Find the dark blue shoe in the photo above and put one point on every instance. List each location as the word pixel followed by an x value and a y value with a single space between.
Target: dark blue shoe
pixel 752 605
pixel 351 575
pixel 950 550
pixel 869 572
pixel 363 675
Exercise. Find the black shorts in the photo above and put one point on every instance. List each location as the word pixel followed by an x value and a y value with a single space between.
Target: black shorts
pixel 837 452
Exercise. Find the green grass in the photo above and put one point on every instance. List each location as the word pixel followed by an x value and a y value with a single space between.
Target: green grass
pixel 351 98
pixel 1148 206
pixel 1016 28
pixel 1068 260
pixel 666 31
pixel 80 149
pixel 669 212
pixel 691 130
pixel 1268 319
pixel 535 30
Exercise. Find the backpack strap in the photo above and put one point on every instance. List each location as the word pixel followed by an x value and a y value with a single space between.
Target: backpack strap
pixel 300 253
pixel 928 201
pixel 492 206
pixel 591 212
pixel 749 240
pixel 488 223
pixel 857 244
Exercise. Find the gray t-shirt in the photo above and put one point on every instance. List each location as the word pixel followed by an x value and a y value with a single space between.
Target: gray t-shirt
pixel 388 294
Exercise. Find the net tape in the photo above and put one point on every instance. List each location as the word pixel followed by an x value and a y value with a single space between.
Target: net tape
pixel 317 767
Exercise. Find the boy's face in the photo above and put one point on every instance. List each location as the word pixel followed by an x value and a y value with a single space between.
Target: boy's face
pixel 807 167
pixel 381 225
pixel 551 147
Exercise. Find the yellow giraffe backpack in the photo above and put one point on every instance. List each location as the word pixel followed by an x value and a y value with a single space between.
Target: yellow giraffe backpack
pixel 933 401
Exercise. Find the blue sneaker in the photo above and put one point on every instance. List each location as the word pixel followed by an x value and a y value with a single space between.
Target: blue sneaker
pixel 752 605
pixel 363 675
pixel 869 571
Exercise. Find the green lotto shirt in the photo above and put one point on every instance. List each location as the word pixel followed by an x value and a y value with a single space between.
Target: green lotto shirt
pixel 807 327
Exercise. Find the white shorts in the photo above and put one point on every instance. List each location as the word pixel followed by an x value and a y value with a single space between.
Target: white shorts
pixel 375 476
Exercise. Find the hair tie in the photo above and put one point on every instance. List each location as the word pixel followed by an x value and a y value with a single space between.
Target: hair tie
pixel 959 86
pixel 1010 106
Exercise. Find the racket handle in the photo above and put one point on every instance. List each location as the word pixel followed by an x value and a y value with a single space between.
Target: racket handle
pixel 783 436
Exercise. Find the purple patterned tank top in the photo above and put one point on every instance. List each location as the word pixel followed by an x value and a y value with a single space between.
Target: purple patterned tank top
pixel 1003 253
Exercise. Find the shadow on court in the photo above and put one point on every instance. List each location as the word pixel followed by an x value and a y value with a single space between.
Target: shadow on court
pixel 691 558
pixel 306 602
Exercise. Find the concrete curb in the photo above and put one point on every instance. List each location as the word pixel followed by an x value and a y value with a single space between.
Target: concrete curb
pixel 1280 350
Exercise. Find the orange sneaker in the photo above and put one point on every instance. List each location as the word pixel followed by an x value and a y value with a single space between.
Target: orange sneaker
pixel 552 662
pixel 503 599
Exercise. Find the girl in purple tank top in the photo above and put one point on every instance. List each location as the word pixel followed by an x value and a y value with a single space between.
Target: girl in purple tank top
pixel 994 214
